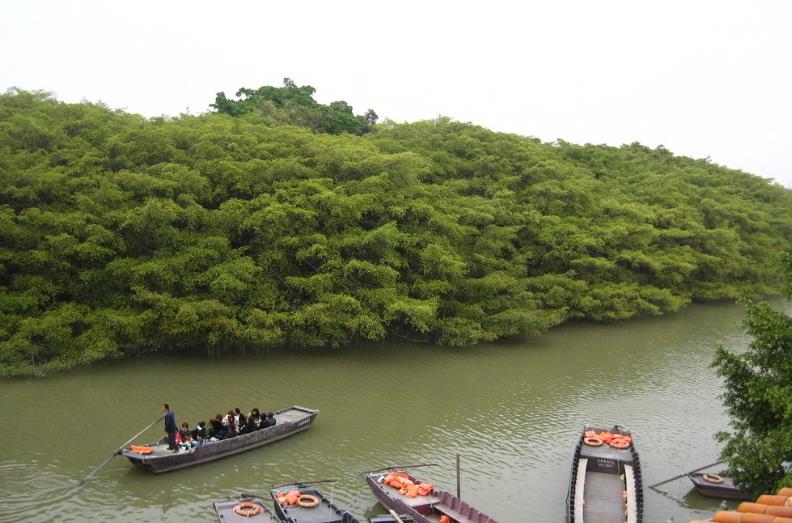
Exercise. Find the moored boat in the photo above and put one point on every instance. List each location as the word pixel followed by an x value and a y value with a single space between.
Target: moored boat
pixel 303 503
pixel 605 484
pixel 405 494
pixel 157 458
pixel 715 486
pixel 245 508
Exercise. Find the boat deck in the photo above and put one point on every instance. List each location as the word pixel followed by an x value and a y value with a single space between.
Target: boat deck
pixel 412 502
pixel 603 498
pixel 225 511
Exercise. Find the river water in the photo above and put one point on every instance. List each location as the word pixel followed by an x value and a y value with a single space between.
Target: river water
pixel 511 410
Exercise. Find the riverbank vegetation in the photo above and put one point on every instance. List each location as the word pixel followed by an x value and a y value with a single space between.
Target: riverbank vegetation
pixel 262 226
pixel 758 396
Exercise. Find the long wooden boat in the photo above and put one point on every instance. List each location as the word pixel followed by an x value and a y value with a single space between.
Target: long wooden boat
pixel 429 508
pixel 308 505
pixel 157 458
pixel 715 486
pixel 244 508
pixel 605 484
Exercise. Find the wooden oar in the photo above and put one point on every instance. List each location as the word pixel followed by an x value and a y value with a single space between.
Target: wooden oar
pixel 114 454
pixel 395 516
pixel 403 467
pixel 686 473
pixel 305 482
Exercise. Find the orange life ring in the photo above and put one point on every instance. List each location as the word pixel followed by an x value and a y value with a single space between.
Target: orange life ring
pixel 619 443
pixel 141 450
pixel 712 478
pixel 247 509
pixel 307 501
pixel 593 441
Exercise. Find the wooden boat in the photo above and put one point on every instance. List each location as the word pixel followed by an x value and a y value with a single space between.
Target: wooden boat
pixel 157 458
pixel 422 509
pixel 715 486
pixel 311 506
pixel 245 508
pixel 605 485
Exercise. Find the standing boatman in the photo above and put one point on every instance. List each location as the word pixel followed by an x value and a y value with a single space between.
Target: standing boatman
pixel 170 427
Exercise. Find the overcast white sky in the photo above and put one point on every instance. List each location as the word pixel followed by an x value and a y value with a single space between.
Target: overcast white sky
pixel 703 78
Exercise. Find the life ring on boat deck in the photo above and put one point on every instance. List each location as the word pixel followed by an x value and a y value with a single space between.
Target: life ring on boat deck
pixel 712 478
pixel 141 450
pixel 307 501
pixel 247 509
pixel 593 441
pixel 619 443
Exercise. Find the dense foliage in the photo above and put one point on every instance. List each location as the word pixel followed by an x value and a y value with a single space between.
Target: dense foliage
pixel 121 235
pixel 758 396
pixel 295 105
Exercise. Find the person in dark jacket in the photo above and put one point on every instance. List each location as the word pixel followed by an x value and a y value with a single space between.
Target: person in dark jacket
pixel 269 421
pixel 170 427
pixel 219 430
pixel 239 421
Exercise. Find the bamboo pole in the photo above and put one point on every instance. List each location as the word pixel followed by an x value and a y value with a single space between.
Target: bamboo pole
pixel 686 473
pixel 114 454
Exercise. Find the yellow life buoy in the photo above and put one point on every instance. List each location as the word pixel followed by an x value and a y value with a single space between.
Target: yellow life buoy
pixel 593 441
pixel 307 501
pixel 712 478
pixel 619 443
pixel 247 509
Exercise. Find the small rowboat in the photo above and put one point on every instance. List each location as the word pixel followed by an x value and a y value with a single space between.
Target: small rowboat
pixel 605 484
pixel 715 486
pixel 157 458
pixel 302 503
pixel 436 505
pixel 245 508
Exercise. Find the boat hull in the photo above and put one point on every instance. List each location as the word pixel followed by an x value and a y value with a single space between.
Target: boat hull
pixel 424 509
pixel 725 490
pixel 605 481
pixel 290 421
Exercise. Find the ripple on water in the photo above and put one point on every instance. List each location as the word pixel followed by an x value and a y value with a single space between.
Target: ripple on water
pixel 512 411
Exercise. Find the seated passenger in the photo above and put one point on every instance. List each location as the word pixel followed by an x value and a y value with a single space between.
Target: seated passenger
pixel 200 433
pixel 239 420
pixel 256 415
pixel 229 424
pixel 270 421
pixel 247 427
pixel 185 439
pixel 219 430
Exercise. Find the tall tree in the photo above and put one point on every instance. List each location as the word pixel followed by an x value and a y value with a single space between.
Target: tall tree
pixel 758 397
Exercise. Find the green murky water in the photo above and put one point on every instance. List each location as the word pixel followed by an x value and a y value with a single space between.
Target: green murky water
pixel 512 411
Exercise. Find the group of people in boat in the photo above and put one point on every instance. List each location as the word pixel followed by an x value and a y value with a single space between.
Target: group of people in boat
pixel 233 424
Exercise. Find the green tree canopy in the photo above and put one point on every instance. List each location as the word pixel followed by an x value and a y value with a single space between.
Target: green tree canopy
pixel 121 235
pixel 295 105
pixel 758 397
